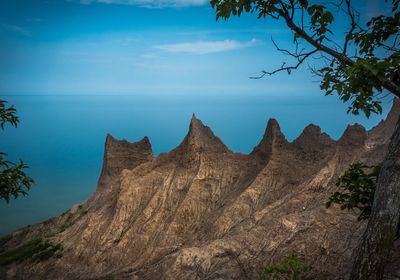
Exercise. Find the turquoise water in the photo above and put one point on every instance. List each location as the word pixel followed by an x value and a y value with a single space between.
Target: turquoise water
pixel 62 137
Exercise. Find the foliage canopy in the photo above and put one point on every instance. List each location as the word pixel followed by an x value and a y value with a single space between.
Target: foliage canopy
pixel 357 67
pixel 13 179
pixel 358 189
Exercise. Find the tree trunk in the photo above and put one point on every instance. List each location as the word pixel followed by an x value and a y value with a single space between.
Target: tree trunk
pixel 377 242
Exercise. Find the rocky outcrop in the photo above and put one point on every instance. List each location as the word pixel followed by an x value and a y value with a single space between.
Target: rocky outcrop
pixel 201 138
pixel 382 132
pixel 205 212
pixel 120 155
pixel 273 140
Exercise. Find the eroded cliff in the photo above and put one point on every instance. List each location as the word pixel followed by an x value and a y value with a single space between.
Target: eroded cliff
pixel 202 211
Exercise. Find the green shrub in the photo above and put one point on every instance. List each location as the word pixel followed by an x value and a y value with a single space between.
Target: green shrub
pixel 48 253
pixel 4 240
pixel 34 250
pixel 290 268
pixel 357 189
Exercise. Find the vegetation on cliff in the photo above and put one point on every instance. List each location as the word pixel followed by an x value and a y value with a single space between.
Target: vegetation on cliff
pixel 33 250
pixel 13 179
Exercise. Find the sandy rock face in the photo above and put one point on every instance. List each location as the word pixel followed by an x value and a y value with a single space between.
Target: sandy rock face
pixel 205 212
pixel 120 155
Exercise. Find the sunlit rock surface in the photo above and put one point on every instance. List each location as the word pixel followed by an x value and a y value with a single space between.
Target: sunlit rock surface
pixel 205 212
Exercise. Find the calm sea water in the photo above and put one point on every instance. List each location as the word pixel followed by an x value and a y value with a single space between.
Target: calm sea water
pixel 62 137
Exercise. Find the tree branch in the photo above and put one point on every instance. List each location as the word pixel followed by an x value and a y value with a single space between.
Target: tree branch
pixel 353 25
pixel 341 57
pixel 301 57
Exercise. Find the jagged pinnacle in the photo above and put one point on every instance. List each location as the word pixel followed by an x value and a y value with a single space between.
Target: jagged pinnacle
pixel 201 136
pixel 271 136
pixel 354 135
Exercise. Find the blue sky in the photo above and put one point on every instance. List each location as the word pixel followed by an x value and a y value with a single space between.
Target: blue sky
pixel 139 46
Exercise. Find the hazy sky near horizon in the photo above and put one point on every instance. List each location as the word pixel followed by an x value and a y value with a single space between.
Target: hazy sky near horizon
pixel 139 46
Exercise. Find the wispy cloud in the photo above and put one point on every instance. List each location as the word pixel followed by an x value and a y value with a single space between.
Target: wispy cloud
pixel 205 47
pixel 16 29
pixel 151 3
pixel 254 30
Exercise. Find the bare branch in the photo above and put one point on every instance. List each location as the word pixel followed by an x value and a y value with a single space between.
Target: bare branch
pixel 353 25
pixel 394 46
pixel 300 59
